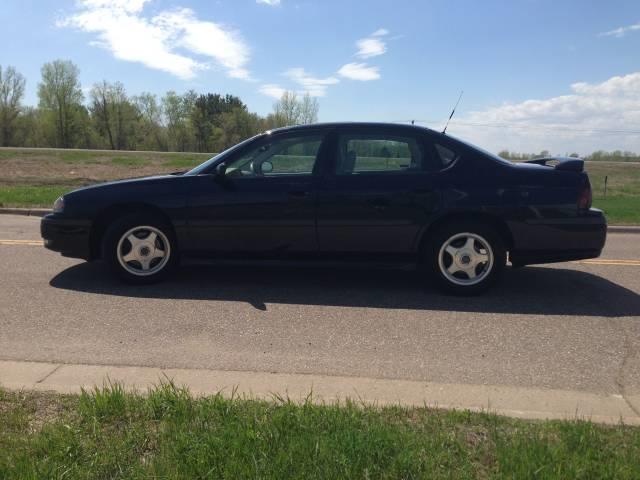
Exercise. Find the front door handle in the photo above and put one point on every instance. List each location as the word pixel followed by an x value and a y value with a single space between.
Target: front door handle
pixel 298 193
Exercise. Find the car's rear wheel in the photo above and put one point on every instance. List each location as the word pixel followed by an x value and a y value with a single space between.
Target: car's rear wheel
pixel 465 258
pixel 140 249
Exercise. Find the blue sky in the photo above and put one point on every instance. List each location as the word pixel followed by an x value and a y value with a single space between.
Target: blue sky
pixel 562 75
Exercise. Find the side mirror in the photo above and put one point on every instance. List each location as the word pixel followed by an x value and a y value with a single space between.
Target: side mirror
pixel 266 167
pixel 221 169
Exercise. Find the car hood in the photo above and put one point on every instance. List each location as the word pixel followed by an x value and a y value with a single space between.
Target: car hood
pixel 127 182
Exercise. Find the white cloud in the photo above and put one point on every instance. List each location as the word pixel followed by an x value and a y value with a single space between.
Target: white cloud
pixel 372 46
pixel 316 87
pixel 272 90
pixel 271 3
pixel 622 31
pixel 594 116
pixel 166 41
pixel 359 71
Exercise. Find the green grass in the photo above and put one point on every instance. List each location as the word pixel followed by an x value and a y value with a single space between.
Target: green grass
pixel 30 196
pixel 108 433
pixel 182 163
pixel 620 210
pixel 622 202
pixel 130 161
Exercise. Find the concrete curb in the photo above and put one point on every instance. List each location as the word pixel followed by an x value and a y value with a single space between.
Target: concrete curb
pixel 623 229
pixel 41 212
pixel 532 403
pixel 32 212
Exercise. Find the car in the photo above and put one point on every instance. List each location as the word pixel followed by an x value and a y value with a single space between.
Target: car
pixel 367 192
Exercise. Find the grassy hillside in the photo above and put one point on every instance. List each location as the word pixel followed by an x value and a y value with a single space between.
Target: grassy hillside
pixel 36 177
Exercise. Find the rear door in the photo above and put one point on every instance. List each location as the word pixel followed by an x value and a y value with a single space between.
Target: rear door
pixel 377 192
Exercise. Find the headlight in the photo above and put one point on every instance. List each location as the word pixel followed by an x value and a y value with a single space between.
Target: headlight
pixel 58 206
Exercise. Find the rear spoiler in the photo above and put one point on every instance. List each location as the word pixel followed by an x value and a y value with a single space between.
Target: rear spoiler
pixel 568 164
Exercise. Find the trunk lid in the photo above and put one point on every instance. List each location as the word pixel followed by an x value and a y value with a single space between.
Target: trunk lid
pixel 567 164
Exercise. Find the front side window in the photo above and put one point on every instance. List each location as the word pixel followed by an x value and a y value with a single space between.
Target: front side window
pixel 278 156
pixel 359 154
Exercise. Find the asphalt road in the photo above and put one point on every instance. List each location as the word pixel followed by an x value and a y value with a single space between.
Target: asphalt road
pixel 572 326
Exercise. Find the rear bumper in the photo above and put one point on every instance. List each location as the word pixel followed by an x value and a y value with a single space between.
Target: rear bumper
pixel 70 237
pixel 558 240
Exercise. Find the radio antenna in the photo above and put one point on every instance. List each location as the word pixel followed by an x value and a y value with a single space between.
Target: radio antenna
pixel 452 112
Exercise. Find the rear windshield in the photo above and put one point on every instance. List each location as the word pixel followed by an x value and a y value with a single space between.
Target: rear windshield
pixel 485 152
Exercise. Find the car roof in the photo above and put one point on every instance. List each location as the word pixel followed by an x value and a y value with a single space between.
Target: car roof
pixel 316 126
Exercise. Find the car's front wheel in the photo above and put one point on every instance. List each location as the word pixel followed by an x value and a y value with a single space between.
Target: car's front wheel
pixel 465 258
pixel 140 249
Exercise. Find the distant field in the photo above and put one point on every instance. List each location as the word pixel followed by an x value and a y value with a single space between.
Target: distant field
pixel 36 177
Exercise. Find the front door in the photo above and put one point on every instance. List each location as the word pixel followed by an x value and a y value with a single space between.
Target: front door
pixel 265 203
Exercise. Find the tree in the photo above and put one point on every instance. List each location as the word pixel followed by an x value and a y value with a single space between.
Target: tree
pixel 289 110
pixel 237 125
pixel 286 111
pixel 309 110
pixel 177 109
pixel 12 85
pixel 150 133
pixel 101 109
pixel 207 118
pixel 61 96
pixel 115 115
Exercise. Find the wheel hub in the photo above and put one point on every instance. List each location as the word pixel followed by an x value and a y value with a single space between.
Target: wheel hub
pixel 465 259
pixel 143 250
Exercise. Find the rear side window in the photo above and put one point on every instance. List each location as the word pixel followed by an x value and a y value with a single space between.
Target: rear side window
pixel 444 155
pixel 378 154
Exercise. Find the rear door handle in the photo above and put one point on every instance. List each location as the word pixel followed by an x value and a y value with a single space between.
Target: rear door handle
pixel 379 203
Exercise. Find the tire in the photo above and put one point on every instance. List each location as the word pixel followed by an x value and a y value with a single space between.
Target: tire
pixel 465 258
pixel 140 249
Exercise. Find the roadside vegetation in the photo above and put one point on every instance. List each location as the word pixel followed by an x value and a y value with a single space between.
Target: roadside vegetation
pixel 107 117
pixel 36 177
pixel 167 433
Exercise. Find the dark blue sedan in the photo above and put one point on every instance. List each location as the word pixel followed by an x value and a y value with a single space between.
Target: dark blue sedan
pixel 347 191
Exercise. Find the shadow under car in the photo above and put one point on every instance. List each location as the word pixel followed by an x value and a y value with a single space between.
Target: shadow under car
pixel 531 290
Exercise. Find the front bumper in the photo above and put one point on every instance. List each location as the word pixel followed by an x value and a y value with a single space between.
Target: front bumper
pixel 558 240
pixel 69 236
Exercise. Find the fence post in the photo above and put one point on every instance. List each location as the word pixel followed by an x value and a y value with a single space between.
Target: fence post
pixel 606 178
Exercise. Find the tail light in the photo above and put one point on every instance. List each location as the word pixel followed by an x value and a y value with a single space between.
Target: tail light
pixel 585 197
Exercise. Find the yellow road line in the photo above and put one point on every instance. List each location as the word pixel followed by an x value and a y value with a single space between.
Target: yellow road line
pixel 595 261
pixel 606 261
pixel 21 242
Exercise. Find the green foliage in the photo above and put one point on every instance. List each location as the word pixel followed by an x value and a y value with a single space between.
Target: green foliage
pixel 620 210
pixel 12 84
pixel 110 433
pixel 30 196
pixel 60 94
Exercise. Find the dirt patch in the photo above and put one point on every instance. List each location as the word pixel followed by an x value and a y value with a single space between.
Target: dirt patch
pixel 35 409
pixel 78 167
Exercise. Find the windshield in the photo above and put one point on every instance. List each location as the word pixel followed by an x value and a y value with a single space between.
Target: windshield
pixel 203 167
